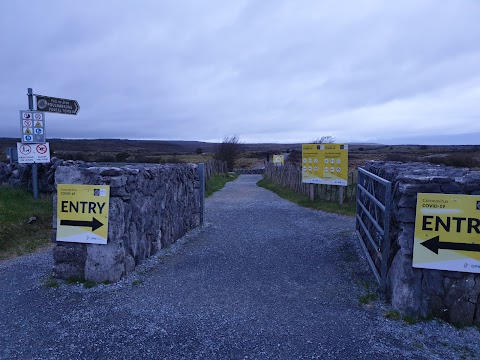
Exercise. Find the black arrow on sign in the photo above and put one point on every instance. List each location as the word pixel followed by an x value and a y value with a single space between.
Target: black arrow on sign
pixel 434 244
pixel 94 224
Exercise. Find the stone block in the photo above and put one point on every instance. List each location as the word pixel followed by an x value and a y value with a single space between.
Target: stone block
pixel 412 189
pixel 462 298
pixel 105 262
pixel 405 237
pixel 404 287
pixel 70 252
pixel 405 215
pixel 409 201
pixel 69 270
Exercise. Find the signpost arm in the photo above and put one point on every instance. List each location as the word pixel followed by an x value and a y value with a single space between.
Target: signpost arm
pixel 34 165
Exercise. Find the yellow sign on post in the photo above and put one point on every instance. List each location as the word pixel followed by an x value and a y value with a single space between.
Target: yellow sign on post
pixel 82 213
pixel 447 232
pixel 278 160
pixel 325 164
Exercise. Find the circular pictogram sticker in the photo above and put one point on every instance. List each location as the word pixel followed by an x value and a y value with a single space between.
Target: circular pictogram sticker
pixel 42 148
pixel 42 103
pixel 25 149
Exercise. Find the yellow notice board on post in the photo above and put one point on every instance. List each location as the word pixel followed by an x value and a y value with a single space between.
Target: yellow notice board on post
pixel 82 213
pixel 278 160
pixel 325 164
pixel 447 232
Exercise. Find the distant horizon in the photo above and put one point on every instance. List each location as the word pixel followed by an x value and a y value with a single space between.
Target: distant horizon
pixel 429 143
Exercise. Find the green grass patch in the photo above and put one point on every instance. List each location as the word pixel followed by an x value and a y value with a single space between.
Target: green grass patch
pixel 217 182
pixel 88 284
pixel 396 315
pixel 51 282
pixel 392 315
pixel 17 235
pixel 367 298
pixel 348 209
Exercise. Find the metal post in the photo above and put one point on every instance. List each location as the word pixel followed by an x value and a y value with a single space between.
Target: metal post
pixel 10 154
pixel 312 191
pixel 340 196
pixel 201 175
pixel 34 165
pixel 30 99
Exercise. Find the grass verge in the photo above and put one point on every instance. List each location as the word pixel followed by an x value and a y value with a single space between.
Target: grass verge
pixel 303 200
pixel 20 233
pixel 217 182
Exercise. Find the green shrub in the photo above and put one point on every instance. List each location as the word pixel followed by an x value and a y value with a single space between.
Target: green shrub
pixel 399 157
pixel 455 160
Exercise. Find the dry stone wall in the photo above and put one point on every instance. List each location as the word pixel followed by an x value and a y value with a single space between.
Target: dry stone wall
pixel 20 175
pixel 151 206
pixel 451 295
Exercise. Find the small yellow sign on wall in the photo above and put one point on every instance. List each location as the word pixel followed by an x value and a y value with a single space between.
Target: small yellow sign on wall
pixel 447 232
pixel 325 164
pixel 278 160
pixel 82 213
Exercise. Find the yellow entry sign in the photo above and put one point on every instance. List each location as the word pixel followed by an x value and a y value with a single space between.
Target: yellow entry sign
pixel 325 164
pixel 82 213
pixel 447 232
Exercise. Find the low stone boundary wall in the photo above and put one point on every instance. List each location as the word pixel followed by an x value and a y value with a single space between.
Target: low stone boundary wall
pixel 20 175
pixel 151 206
pixel 451 295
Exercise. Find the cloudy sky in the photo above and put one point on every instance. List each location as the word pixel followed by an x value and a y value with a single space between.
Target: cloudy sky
pixel 267 70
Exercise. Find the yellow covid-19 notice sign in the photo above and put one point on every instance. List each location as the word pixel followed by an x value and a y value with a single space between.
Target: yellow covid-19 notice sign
pixel 325 164
pixel 447 232
pixel 278 160
pixel 82 213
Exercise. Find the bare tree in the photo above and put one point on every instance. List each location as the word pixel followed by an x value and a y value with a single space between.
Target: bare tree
pixel 327 139
pixel 229 150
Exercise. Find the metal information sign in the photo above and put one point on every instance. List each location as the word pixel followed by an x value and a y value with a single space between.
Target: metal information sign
pixel 57 105
pixel 82 213
pixel 447 232
pixel 325 164
pixel 32 127
pixel 33 153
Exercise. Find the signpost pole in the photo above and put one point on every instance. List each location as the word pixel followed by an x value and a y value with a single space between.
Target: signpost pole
pixel 201 173
pixel 340 196
pixel 311 191
pixel 34 165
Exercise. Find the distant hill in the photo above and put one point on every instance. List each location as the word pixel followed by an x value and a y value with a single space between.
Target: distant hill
pixel 149 146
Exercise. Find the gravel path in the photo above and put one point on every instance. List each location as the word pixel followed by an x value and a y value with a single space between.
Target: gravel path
pixel 263 279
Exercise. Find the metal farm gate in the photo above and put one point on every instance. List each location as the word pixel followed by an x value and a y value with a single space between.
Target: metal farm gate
pixel 374 195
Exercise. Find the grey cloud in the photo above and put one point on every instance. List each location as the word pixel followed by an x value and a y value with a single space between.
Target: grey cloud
pixel 272 69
